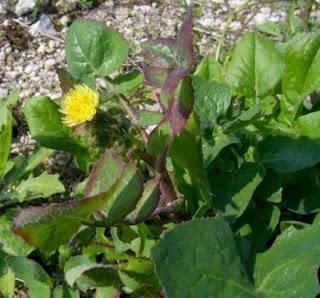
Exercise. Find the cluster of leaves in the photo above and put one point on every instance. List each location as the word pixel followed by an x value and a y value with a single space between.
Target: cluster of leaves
pixel 233 153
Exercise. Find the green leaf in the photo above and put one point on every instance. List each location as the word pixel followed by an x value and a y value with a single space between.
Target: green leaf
pixel 125 83
pixel 123 198
pixel 308 125
pixel 7 282
pixel 78 265
pixel 92 49
pixel 5 138
pixel 287 154
pixel 234 192
pixel 210 70
pixel 9 242
pixel 207 266
pixel 212 101
pixel 49 226
pixel 302 74
pixel 42 186
pixel 44 121
pixel 146 204
pixel 256 66
pixel 303 198
pixel 107 292
pixel 25 166
pixel 212 148
pixel 189 173
pixel 281 270
pixel 258 223
pixel 37 280
pixel 148 118
pixel 271 28
pixel 65 292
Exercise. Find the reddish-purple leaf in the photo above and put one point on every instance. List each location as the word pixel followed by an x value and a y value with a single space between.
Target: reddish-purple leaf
pixel 167 61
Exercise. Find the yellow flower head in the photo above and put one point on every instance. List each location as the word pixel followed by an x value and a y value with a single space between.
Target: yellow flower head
pixel 79 105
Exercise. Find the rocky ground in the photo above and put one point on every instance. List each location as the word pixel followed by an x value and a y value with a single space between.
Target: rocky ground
pixel 32 44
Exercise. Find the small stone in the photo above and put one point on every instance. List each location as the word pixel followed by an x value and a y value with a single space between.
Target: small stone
pixel 3 92
pixel 28 69
pixel 50 62
pixel 24 7
pixel 44 25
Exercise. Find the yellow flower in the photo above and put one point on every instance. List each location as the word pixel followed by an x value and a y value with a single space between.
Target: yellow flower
pixel 79 105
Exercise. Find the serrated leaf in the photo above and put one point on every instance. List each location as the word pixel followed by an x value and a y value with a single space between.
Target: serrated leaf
pixel 207 266
pixel 167 61
pixel 92 49
pixel 41 186
pixel 256 66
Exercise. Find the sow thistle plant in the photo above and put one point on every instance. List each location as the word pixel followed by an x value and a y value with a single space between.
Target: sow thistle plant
pixel 220 199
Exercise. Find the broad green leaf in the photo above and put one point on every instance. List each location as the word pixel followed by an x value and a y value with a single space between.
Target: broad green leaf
pixel 36 278
pixel 92 49
pixel 41 186
pixel 189 173
pixel 286 154
pixel 76 266
pixel 308 125
pixel 7 282
pixel 256 66
pixel 212 148
pixel 210 70
pixel 5 138
pixel 281 270
pixel 212 101
pixel 258 223
pixel 234 192
pixel 245 118
pixel 302 73
pixel 199 258
pixel 44 121
pixel 301 191
pixel 270 189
